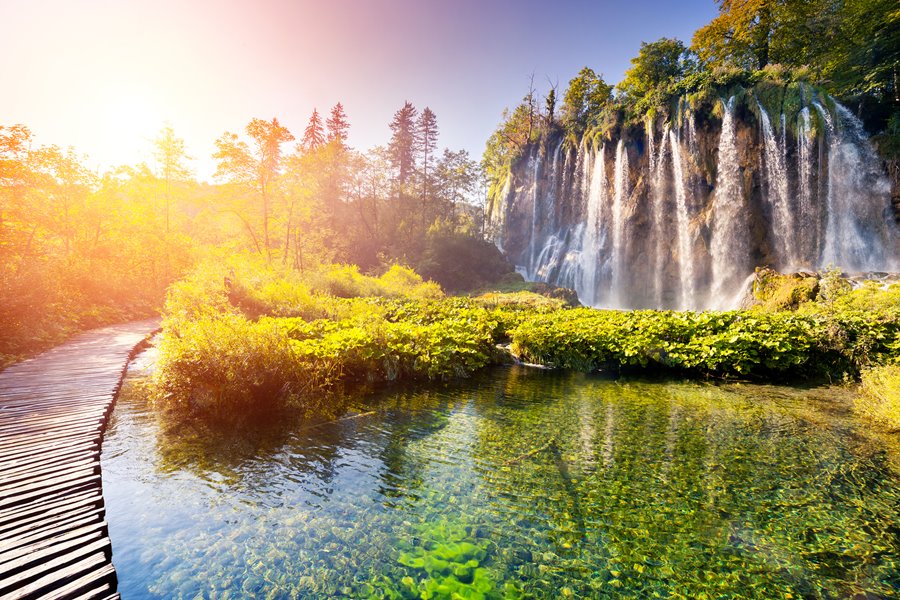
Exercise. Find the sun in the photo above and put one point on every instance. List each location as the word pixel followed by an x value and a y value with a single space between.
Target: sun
pixel 132 112
pixel 122 122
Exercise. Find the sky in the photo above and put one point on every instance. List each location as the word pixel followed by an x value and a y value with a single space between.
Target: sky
pixel 104 76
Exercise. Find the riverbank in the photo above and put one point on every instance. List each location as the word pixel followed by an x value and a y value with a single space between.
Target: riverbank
pixel 241 341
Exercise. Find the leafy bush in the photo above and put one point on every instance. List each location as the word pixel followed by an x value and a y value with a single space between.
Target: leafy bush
pixel 728 343
pixel 271 339
pixel 461 263
pixel 879 397
pixel 249 343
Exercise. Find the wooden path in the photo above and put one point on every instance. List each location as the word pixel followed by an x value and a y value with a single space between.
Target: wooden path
pixel 53 410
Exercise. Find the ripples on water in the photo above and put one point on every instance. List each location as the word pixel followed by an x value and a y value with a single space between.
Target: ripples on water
pixel 516 483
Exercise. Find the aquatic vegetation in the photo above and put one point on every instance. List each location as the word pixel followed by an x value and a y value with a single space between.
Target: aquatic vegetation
pixel 879 397
pixel 444 562
pixel 649 489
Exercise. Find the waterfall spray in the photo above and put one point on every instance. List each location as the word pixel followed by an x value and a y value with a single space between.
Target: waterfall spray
pixel 620 186
pixel 729 246
pixel 685 244
pixel 776 194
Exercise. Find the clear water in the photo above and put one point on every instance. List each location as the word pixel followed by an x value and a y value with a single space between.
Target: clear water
pixel 516 483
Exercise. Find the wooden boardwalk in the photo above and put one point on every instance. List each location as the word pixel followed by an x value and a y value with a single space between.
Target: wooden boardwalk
pixel 53 410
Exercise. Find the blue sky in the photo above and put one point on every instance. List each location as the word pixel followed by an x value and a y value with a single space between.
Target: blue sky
pixel 104 76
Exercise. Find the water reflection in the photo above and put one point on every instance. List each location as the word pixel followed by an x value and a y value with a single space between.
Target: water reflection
pixel 516 482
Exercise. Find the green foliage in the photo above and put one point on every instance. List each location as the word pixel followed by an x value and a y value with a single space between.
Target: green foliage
pixel 860 329
pixel 879 396
pixel 889 140
pixel 461 263
pixel 242 340
pixel 585 97
pixel 729 343
pixel 273 337
pixel 798 37
pixel 654 73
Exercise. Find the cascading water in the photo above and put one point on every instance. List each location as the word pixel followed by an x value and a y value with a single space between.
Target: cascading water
pixel 592 240
pixel 807 218
pixel 681 213
pixel 729 244
pixel 685 253
pixel 620 187
pixel 855 228
pixel 777 196
pixel 535 220
pixel 657 191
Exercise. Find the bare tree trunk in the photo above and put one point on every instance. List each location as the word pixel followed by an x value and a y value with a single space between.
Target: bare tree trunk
pixel 265 197
pixel 248 228
pixel 287 237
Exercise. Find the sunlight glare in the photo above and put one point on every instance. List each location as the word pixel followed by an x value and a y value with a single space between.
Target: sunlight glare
pixel 128 119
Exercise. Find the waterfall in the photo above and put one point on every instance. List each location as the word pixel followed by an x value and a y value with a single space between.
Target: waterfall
pixel 729 245
pixel 620 188
pixel 592 240
pixel 777 197
pixel 692 135
pixel 681 220
pixel 808 221
pixel 685 244
pixel 857 196
pixel 657 209
pixel 535 220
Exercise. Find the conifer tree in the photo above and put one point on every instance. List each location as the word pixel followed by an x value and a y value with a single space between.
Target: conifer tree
pixel 313 135
pixel 402 144
pixel 338 125
pixel 425 145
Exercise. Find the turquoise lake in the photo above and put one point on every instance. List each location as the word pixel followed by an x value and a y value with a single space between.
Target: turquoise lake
pixel 516 483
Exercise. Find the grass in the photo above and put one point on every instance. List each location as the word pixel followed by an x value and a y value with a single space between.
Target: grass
pixel 879 397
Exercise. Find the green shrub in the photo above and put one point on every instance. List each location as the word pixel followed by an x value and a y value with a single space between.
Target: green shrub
pixel 461 262
pixel 228 366
pixel 250 342
pixel 879 396
pixel 728 343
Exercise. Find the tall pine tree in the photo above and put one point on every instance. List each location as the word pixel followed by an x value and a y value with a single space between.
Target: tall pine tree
pixel 402 144
pixel 313 135
pixel 425 145
pixel 338 125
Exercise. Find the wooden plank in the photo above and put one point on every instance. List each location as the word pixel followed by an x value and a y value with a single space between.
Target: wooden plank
pixel 13 465
pixel 37 491
pixel 16 558
pixel 53 410
pixel 56 573
pixel 38 451
pixel 48 525
pixel 51 469
pixel 98 583
pixel 33 513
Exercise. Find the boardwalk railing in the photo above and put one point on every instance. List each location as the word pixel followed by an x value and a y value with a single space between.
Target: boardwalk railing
pixel 53 410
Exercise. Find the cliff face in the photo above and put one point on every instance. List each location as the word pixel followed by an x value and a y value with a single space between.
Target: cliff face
pixel 678 214
pixel 892 167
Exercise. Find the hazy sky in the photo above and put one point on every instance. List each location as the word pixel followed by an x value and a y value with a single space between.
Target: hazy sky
pixel 105 75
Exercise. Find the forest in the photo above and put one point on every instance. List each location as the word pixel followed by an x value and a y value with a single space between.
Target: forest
pixel 849 48
pixel 80 248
